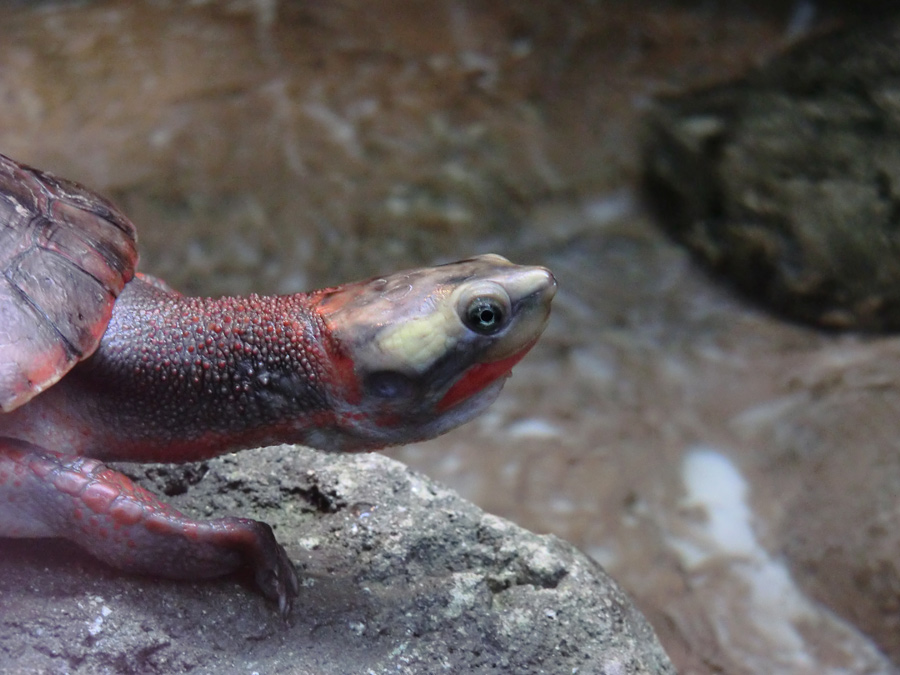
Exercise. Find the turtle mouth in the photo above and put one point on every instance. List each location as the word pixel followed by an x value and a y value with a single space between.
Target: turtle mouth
pixel 476 378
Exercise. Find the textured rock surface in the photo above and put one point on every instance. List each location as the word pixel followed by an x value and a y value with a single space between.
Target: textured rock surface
pixel 788 182
pixel 399 576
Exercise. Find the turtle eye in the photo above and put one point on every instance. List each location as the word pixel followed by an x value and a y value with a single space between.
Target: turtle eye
pixel 485 308
pixel 485 316
pixel 390 384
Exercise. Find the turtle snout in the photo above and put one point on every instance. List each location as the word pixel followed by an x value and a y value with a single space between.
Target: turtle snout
pixel 550 284
pixel 533 284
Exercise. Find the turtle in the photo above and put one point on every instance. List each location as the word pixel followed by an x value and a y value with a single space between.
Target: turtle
pixel 100 363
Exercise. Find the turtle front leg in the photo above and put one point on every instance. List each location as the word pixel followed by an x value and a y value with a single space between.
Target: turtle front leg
pixel 50 494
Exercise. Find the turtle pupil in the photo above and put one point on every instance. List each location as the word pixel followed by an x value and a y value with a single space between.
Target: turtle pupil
pixel 485 316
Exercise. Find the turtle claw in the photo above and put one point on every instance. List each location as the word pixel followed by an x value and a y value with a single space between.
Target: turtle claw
pixel 278 580
pixel 273 570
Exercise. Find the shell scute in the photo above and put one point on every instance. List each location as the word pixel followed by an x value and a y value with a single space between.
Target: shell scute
pixel 65 255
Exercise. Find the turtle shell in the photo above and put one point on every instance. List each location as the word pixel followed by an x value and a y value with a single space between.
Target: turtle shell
pixel 65 255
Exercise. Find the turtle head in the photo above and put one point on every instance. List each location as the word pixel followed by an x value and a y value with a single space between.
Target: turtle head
pixel 425 350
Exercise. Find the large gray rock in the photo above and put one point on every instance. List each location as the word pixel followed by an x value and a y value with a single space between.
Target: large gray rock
pixel 400 575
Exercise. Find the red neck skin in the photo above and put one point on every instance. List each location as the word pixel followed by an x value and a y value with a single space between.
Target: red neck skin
pixel 181 379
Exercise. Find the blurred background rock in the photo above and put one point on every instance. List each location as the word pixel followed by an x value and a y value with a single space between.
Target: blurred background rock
pixel 283 144
pixel 786 181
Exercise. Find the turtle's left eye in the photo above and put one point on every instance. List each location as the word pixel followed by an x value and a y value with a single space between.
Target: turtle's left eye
pixel 485 309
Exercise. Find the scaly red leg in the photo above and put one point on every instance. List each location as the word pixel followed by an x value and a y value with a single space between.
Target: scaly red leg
pixel 50 494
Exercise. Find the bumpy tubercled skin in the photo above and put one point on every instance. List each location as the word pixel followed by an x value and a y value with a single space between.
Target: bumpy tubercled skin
pixel 249 371
pixel 97 364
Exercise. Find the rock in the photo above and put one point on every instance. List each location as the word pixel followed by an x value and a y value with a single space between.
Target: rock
pixel 830 454
pixel 265 144
pixel 788 181
pixel 400 575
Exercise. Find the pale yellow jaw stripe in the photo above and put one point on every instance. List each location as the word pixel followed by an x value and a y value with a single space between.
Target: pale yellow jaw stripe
pixel 416 344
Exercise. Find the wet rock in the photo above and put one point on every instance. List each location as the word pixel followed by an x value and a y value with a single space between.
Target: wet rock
pixel 788 182
pixel 399 574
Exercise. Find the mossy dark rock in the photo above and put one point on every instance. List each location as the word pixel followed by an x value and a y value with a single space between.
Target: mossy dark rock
pixel 788 181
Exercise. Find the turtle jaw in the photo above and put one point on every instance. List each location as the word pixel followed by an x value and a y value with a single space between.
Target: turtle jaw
pixel 480 377
pixel 463 410
pixel 362 434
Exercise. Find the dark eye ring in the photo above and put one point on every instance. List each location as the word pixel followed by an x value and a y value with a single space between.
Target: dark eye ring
pixel 390 384
pixel 485 315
